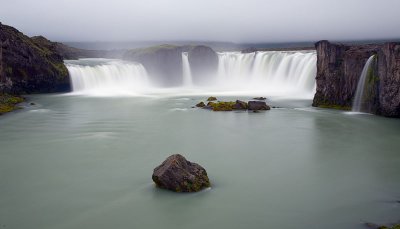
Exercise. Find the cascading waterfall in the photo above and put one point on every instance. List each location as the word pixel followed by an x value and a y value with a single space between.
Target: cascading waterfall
pixel 271 71
pixel 260 73
pixel 187 74
pixel 107 77
pixel 358 98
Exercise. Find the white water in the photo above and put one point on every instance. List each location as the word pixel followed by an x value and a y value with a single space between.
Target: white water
pixel 272 73
pixel 187 74
pixel 107 77
pixel 358 98
pixel 279 73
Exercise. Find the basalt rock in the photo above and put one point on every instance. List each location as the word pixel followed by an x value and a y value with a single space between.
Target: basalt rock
pixel 258 105
pixel 260 98
pixel 240 105
pixel 212 98
pixel 201 104
pixel 339 68
pixel 28 66
pixel 179 175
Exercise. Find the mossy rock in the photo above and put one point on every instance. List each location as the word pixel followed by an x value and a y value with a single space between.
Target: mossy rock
pixel 8 103
pixel 212 98
pixel 201 104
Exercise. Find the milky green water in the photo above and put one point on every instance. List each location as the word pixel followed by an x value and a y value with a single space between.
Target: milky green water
pixel 81 162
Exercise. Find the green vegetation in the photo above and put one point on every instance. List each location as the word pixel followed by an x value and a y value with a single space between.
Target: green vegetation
pixel 8 103
pixel 221 106
pixel 212 98
pixel 335 106
pixel 397 226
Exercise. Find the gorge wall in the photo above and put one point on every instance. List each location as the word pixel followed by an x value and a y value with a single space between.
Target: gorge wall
pixel 30 65
pixel 339 68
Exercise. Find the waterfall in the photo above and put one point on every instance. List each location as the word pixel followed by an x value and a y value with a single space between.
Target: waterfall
pixel 187 74
pixel 106 77
pixel 268 73
pixel 358 99
pixel 271 71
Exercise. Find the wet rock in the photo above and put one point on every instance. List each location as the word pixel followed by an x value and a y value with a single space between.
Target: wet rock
pixel 179 175
pixel 212 98
pixel 258 105
pixel 201 104
pixel 32 104
pixel 260 98
pixel 240 105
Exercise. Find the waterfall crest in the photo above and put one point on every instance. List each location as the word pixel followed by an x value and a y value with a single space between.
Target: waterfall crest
pixel 271 71
pixel 107 77
pixel 358 98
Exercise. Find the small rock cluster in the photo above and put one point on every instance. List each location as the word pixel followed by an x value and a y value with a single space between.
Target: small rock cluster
pixel 215 105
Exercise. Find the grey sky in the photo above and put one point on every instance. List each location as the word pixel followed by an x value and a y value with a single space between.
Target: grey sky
pixel 217 20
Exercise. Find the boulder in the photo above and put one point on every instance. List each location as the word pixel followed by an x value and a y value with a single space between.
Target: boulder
pixel 258 105
pixel 212 98
pixel 260 98
pixel 240 105
pixel 179 175
pixel 201 104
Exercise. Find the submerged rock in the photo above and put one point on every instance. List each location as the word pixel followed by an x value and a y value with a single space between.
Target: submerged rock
pixel 212 98
pixel 258 105
pixel 201 104
pixel 179 175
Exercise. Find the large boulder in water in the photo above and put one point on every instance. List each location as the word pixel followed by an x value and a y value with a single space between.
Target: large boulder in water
pixel 258 105
pixel 203 62
pixel 179 175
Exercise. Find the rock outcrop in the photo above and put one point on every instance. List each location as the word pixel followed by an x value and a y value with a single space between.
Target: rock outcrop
pixel 28 66
pixel 338 71
pixel 203 62
pixel 164 62
pixel 179 175
pixel 258 105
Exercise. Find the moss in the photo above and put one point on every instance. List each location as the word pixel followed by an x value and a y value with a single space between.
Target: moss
pixel 8 103
pixel 221 106
pixel 336 107
pixel 396 226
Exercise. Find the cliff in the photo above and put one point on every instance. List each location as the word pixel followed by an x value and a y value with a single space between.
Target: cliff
pixel 339 68
pixel 30 66
pixel 164 62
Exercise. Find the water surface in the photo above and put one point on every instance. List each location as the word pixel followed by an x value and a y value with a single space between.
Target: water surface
pixel 86 162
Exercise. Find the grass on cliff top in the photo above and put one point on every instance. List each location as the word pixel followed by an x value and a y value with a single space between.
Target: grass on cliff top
pixel 8 103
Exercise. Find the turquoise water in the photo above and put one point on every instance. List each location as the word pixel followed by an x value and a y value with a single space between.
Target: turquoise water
pixel 86 162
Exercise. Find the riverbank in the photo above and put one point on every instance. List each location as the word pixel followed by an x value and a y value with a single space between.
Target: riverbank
pixel 9 103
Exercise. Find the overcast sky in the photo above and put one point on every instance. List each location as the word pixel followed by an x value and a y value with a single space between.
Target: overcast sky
pixel 212 20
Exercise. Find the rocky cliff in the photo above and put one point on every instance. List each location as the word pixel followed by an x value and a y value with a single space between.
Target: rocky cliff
pixel 203 63
pixel 339 68
pixel 164 62
pixel 30 66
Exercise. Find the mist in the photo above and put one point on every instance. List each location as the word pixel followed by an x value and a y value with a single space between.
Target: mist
pixel 207 20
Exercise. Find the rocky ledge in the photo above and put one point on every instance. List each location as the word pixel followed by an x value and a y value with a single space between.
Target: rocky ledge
pixel 180 175
pixel 9 103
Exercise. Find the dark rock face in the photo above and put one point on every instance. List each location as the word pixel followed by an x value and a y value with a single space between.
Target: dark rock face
pixel 258 105
pixel 203 62
pixel 260 98
pixel 179 175
pixel 339 68
pixel 28 66
pixel 389 79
